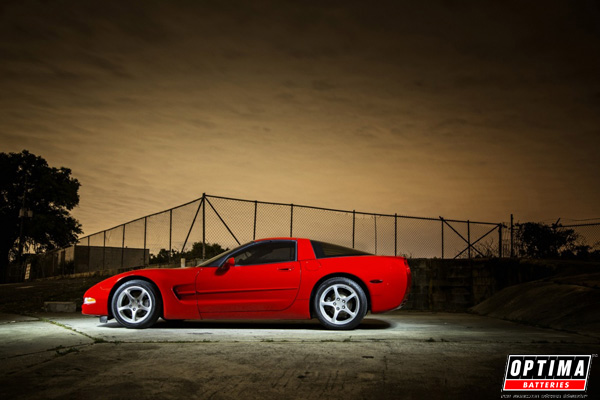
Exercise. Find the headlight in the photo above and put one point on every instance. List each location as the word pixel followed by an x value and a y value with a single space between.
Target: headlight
pixel 89 300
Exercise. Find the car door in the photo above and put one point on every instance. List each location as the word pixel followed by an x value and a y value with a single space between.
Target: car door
pixel 265 277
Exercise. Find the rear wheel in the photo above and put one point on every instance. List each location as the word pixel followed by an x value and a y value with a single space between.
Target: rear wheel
pixel 136 304
pixel 340 303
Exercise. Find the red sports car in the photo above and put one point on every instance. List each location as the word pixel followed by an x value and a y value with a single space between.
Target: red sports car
pixel 279 278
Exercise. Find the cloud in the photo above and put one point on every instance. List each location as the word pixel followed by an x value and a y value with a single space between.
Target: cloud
pixel 465 110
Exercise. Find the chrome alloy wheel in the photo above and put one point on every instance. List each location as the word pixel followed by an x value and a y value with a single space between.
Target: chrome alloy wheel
pixel 339 304
pixel 134 304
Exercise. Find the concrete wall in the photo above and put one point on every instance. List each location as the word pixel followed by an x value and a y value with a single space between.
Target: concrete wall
pixel 437 285
pixel 96 258
pixel 83 259
pixel 457 285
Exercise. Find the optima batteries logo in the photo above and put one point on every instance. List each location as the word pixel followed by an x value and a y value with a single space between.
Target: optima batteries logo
pixel 547 373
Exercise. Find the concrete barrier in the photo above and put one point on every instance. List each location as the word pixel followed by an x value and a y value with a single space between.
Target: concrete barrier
pixel 60 306
pixel 457 285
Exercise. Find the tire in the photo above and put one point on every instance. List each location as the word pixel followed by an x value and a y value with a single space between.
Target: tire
pixel 340 303
pixel 136 304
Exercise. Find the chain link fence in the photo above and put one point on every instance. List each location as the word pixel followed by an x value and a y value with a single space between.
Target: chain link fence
pixel 588 234
pixel 209 225
pixel 206 226
pixel 201 228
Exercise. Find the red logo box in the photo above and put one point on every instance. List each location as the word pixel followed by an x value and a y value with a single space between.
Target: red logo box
pixel 547 372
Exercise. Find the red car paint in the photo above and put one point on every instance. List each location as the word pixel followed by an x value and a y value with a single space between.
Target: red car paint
pixel 280 290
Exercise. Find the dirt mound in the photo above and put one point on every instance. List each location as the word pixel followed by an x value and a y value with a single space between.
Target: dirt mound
pixel 565 302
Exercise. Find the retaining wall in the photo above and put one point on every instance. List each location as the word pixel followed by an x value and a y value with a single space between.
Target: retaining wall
pixel 457 285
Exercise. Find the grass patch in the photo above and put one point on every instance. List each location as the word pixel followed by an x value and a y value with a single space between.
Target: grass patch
pixel 64 352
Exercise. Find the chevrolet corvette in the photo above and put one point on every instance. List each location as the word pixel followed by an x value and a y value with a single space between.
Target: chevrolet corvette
pixel 277 278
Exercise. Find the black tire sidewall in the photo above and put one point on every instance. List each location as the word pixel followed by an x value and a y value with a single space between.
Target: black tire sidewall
pixel 362 297
pixel 156 301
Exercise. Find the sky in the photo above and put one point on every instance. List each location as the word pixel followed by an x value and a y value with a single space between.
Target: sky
pixel 464 109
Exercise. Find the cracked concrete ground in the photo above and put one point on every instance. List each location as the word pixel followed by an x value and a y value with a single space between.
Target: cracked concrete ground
pixel 396 355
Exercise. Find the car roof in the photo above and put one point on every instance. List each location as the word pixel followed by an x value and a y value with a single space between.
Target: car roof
pixel 279 238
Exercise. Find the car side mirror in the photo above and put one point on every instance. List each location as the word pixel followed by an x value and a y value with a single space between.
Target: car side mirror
pixel 229 263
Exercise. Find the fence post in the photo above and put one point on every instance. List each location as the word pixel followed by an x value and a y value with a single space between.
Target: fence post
pixel 204 226
pixel 191 227
pixel 512 227
pixel 353 225
pixel 291 220
pixel 442 219
pixel 469 238
pixel 89 255
pixel 145 239
pixel 170 233
pixel 375 219
pixel 255 210
pixel 395 234
pixel 123 247
pixel 104 251
pixel 500 241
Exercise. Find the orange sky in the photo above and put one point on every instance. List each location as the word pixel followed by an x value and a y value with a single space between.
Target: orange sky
pixel 459 109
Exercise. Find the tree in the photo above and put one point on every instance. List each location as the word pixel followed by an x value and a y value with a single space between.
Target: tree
pixel 211 250
pixel 538 240
pixel 163 256
pixel 35 201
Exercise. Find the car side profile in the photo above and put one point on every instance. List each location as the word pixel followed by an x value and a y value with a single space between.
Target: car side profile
pixel 276 278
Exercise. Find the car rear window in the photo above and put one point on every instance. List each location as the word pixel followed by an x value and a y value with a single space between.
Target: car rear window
pixel 327 250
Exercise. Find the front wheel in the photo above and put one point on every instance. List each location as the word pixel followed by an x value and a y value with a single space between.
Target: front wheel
pixel 340 303
pixel 136 304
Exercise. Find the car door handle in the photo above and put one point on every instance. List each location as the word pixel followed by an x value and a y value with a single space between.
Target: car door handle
pixel 285 269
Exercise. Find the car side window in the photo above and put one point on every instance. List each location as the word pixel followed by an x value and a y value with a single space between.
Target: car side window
pixel 267 253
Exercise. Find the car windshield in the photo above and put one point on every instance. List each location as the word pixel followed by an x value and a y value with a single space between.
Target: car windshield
pixel 225 254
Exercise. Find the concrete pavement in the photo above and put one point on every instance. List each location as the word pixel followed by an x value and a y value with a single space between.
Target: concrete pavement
pixel 397 355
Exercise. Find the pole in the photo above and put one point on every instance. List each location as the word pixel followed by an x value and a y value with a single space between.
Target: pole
pixel 104 251
pixel 291 220
pixel 204 226
pixel 375 219
pixel 353 225
pixel 89 256
pixel 255 210
pixel 469 238
pixel 442 219
pixel 170 233
pixel 395 234
pixel 191 227
pixel 499 240
pixel 512 230
pixel 145 236
pixel 123 247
